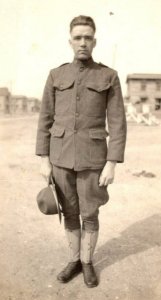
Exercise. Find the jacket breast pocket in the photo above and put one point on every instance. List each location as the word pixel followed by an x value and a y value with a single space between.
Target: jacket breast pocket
pixel 63 95
pixel 56 142
pixel 96 97
pixel 98 145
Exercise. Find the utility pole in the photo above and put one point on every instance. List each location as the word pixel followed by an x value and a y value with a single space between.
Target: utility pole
pixel 114 44
pixel 10 87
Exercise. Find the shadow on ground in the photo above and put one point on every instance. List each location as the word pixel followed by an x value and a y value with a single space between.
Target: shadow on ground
pixel 137 238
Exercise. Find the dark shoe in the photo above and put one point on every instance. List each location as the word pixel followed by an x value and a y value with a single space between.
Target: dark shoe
pixel 70 271
pixel 89 274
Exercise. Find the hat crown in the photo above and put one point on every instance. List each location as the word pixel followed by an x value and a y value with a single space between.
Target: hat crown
pixel 48 202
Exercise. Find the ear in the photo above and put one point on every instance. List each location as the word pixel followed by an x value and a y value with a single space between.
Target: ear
pixel 70 42
pixel 94 43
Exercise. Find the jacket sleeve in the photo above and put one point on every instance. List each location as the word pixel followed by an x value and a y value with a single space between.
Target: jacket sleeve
pixel 46 118
pixel 116 122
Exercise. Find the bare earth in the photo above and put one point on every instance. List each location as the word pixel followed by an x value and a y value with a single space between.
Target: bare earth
pixel 33 246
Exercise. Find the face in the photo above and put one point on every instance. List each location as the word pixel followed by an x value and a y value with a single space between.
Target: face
pixel 82 41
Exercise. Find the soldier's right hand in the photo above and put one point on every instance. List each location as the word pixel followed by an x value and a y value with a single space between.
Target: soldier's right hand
pixel 45 168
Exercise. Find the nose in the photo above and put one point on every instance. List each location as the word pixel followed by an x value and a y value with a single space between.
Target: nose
pixel 83 42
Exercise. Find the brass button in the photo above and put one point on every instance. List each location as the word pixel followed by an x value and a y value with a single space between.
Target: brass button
pixel 77 114
pixel 78 98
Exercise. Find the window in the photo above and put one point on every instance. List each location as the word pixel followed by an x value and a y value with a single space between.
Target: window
pixel 157 103
pixel 158 85
pixel 143 99
pixel 143 85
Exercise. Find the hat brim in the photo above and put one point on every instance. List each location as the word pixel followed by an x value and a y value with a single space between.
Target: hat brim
pixel 52 186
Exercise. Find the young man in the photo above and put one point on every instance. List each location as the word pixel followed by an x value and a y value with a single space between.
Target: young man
pixel 71 140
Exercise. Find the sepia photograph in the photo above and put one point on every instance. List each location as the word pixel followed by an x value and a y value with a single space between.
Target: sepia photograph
pixel 80 148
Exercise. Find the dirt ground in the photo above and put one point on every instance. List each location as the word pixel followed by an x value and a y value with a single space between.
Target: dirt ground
pixel 33 246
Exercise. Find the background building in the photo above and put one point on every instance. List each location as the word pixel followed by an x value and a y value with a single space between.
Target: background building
pixel 33 105
pixel 144 89
pixel 17 104
pixel 4 100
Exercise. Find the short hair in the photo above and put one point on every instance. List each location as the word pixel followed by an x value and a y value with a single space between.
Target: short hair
pixel 82 20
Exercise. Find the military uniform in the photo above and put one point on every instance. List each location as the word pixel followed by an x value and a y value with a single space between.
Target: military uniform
pixel 78 98
pixel 72 131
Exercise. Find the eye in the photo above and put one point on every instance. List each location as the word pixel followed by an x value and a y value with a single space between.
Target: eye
pixel 77 37
pixel 89 38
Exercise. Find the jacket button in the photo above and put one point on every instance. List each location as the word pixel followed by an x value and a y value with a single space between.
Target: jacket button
pixel 77 114
pixel 81 69
pixel 75 130
pixel 78 98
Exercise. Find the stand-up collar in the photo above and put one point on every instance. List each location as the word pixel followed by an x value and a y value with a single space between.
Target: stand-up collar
pixel 83 63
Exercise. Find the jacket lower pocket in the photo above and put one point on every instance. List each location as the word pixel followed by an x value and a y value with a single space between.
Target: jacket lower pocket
pixel 98 145
pixel 56 142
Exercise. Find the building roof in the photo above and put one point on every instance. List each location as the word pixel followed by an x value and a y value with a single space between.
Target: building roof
pixel 138 76
pixel 32 99
pixel 19 97
pixel 4 91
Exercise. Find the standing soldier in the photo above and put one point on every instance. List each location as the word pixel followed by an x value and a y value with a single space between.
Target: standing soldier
pixel 71 140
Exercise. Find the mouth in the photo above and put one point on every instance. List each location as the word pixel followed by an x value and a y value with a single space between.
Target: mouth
pixel 83 51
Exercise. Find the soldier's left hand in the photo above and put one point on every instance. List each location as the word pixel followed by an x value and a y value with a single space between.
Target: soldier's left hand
pixel 108 173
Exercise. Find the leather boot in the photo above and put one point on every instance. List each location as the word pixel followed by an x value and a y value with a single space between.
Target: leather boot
pixel 70 271
pixel 74 267
pixel 88 244
pixel 89 275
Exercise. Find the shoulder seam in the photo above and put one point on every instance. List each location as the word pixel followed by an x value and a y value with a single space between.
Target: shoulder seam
pixel 103 65
pixel 56 68
pixel 64 64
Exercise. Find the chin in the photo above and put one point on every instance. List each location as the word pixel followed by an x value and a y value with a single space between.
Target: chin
pixel 83 57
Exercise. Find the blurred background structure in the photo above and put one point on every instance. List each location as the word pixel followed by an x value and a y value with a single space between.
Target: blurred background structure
pixel 34 39
pixel 17 104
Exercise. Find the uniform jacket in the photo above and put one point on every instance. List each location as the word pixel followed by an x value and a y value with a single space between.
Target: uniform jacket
pixel 78 98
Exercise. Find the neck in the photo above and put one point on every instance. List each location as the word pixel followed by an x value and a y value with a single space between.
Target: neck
pixel 83 61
